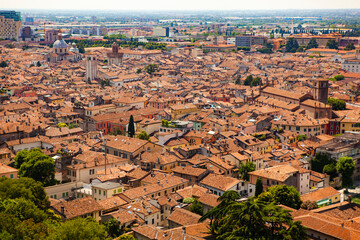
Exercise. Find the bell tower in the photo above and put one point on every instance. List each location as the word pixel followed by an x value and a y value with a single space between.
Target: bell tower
pixel 321 90
pixel 91 66
pixel 115 48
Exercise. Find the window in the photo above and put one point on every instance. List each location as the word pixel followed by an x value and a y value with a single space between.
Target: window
pixel 95 190
pixel 11 175
pixel 55 196
pixel 115 191
pixel 99 192
pixel 104 193
pixel 152 221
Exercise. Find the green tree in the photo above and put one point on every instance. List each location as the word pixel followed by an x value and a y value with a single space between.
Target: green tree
pixel 26 188
pixel 126 237
pixel 258 187
pixel 252 220
pixel 300 49
pixel 81 49
pixel 188 200
pixel 312 44
pixel 73 125
pixel 138 71
pixel 291 45
pixel 256 81
pixel 349 47
pixel 78 229
pixel 23 209
pixel 164 123
pixel 105 82
pixel 282 194
pixel 245 169
pixel 131 127
pixel 38 64
pixel 60 125
pixel 332 44
pixel 346 167
pixel 301 137
pixel 296 231
pixel 20 158
pixel 113 228
pixel 151 69
pixel 197 207
pixel 13 228
pixel 337 104
pixel 38 166
pixel 248 80
pixel 330 169
pixel 3 64
pixel 251 81
pixel 217 213
pixel 144 136
pixel 339 77
pixel 320 160
pixel 117 131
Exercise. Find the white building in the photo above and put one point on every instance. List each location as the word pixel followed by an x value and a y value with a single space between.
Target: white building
pixel 352 64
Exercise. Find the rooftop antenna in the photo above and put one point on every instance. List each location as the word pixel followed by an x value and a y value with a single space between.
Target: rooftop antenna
pixel 104 140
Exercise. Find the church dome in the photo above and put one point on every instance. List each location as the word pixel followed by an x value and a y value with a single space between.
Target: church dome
pixel 60 43
pixel 74 49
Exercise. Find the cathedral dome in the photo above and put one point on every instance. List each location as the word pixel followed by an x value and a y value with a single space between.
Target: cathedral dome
pixel 60 43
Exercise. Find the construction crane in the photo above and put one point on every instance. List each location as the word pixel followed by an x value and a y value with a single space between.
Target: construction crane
pixel 104 140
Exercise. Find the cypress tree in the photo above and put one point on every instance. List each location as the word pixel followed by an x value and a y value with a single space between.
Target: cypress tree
pixel 258 187
pixel 131 127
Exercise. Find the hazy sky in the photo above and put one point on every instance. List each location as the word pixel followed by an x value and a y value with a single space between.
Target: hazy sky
pixel 178 4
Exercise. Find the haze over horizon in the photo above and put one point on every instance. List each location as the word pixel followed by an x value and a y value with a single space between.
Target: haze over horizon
pixel 179 5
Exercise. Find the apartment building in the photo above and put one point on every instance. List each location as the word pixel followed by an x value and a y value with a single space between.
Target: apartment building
pixel 10 24
pixel 283 174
